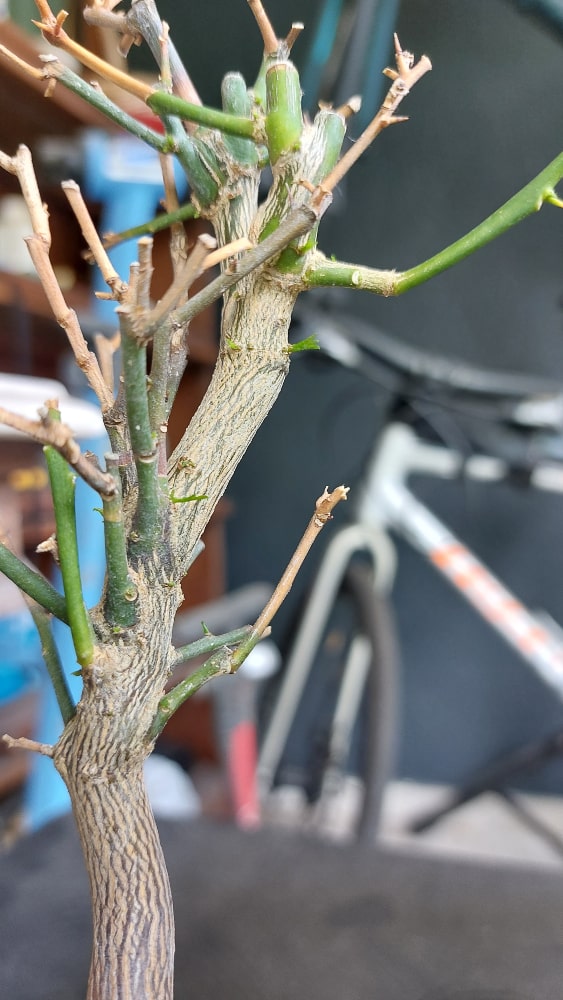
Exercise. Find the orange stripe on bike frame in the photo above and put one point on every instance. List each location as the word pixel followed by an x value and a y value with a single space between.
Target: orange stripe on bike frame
pixel 442 557
pixel 506 610
pixel 466 576
pixel 533 638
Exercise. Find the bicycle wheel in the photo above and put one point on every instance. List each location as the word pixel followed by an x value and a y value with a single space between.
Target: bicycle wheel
pixel 340 749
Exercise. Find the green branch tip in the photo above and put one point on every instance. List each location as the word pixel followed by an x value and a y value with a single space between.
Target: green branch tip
pixel 321 272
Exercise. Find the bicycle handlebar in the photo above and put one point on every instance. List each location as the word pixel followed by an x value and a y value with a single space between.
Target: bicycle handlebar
pixel 529 400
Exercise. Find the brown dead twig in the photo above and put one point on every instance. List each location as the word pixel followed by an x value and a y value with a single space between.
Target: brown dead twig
pixel 61 437
pixel 23 743
pixel 39 244
pixel 323 513
pixel 404 78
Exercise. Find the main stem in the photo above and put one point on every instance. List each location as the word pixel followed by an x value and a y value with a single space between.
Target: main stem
pixel 100 756
pixel 133 922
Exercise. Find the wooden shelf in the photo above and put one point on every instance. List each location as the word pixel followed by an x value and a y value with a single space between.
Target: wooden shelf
pixel 24 295
pixel 27 115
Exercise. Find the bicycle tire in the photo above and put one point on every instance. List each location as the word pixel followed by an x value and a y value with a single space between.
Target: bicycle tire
pixel 359 619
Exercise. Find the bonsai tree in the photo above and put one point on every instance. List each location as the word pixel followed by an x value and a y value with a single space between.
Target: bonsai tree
pixel 155 506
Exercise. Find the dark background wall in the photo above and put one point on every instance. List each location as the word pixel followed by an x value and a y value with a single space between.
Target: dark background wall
pixel 486 119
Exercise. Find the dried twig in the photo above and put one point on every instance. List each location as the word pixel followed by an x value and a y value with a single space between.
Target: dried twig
pixel 404 78
pixel 52 29
pixel 323 513
pixel 202 258
pixel 61 437
pixel 271 42
pixel 106 348
pixel 21 166
pixel 90 234
pixel 145 326
pixel 294 32
pixel 23 743
pixel 145 273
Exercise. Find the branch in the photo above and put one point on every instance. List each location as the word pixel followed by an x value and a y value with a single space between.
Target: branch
pixel 219 663
pixel 121 593
pixel 143 441
pixel 145 326
pixel 168 104
pixel 52 30
pixel 62 489
pixel 38 245
pixel 297 223
pixel 404 78
pixel 52 660
pixel 208 644
pixel 269 37
pixel 527 201
pixel 323 513
pixel 54 70
pixel 320 271
pixel 32 583
pixel 226 660
pixel 22 743
pixel 160 222
pixel 52 432
pixel 90 234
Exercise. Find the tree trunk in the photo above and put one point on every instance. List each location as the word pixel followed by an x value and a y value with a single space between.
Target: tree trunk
pixel 100 757
pixel 133 923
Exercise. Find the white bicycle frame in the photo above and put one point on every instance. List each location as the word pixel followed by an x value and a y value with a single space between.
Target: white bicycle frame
pixel 388 505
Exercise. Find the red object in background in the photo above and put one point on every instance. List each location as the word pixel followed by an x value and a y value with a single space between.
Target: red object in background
pixel 242 763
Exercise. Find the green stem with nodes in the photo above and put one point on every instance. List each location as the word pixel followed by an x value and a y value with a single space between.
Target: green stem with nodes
pixel 52 660
pixel 208 644
pixel 143 442
pixel 203 170
pixel 541 190
pixel 97 99
pixel 156 225
pixel 33 584
pixel 121 593
pixel 527 201
pixel 218 663
pixel 63 485
pixel 230 124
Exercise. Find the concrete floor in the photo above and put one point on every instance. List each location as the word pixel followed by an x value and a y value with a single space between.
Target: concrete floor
pixel 489 827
